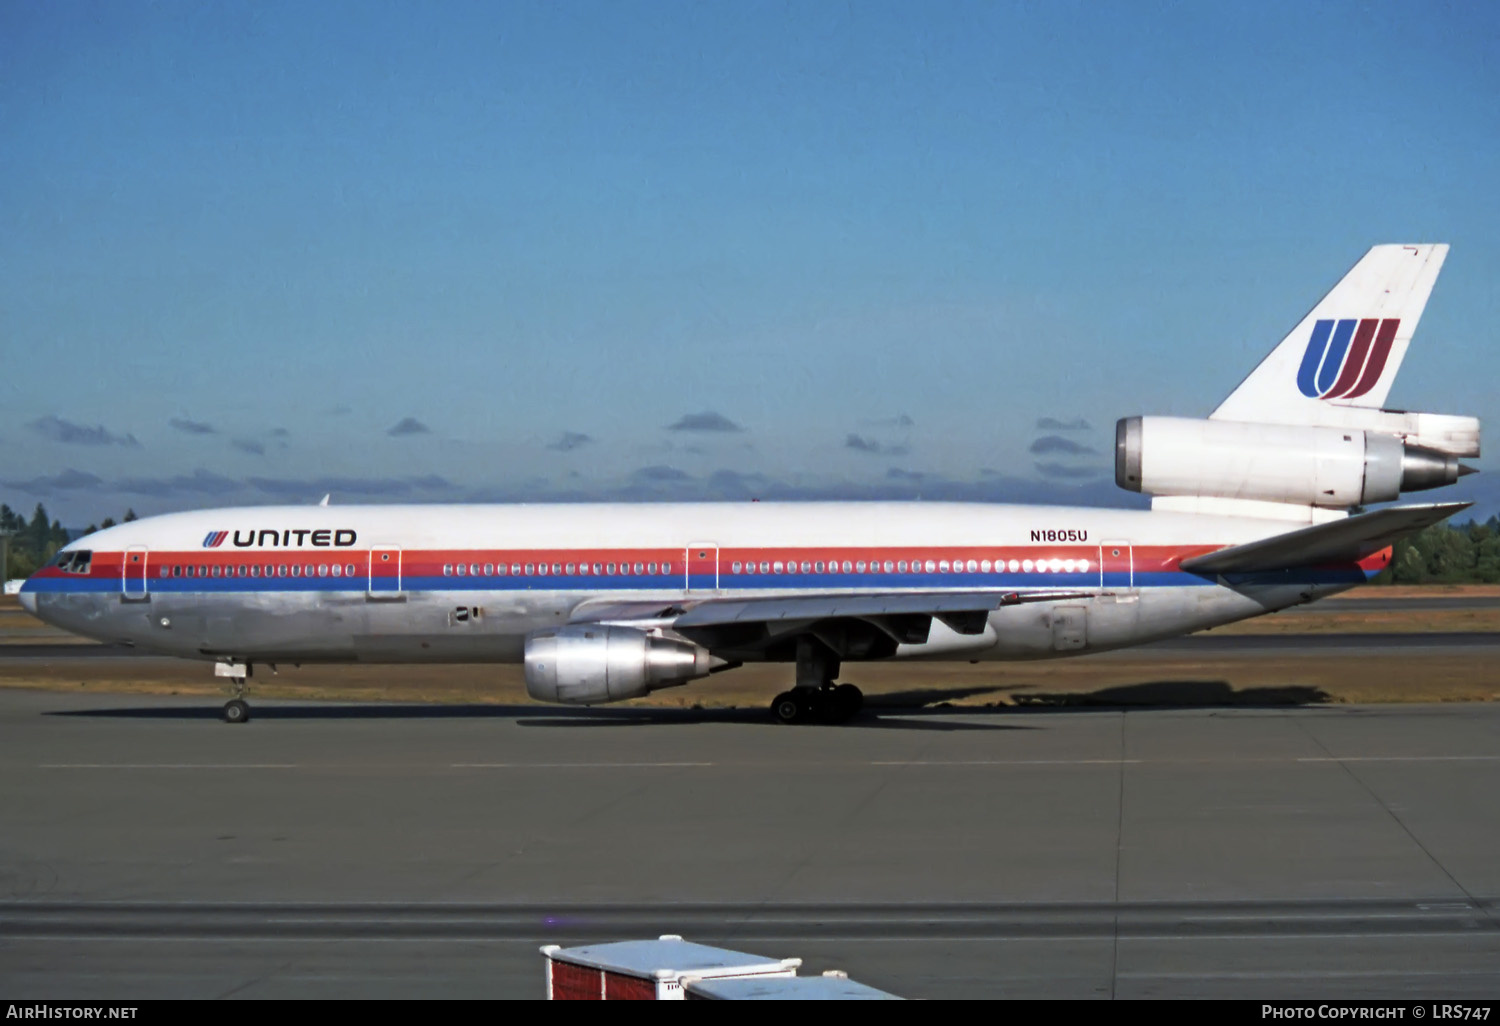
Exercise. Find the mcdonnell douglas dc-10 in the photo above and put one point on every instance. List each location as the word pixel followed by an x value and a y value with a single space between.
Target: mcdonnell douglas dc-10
pixel 1256 508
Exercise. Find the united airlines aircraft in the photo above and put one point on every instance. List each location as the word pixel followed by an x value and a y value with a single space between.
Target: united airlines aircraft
pixel 1256 508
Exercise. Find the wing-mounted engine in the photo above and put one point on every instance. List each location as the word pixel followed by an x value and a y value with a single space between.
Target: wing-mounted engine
pixel 1333 468
pixel 588 664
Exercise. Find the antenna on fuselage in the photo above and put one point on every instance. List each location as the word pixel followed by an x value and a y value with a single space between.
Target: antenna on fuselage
pixel 324 500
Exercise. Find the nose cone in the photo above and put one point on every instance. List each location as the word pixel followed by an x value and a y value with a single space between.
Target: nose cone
pixel 28 600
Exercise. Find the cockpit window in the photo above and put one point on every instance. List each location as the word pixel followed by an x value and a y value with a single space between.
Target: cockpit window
pixel 75 562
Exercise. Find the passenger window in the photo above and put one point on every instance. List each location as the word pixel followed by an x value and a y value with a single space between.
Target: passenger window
pixel 255 571
pixel 931 567
pixel 848 566
pixel 489 569
pixel 322 569
pixel 281 570
pixel 735 568
pixel 296 570
pixel 765 568
pixel 166 571
pixel 819 566
pixel 337 570
pixel 460 570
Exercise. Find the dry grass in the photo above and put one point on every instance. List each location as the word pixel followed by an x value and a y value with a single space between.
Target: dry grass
pixel 1172 679
pixel 1129 678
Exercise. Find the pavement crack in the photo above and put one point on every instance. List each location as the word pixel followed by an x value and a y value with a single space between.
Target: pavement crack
pixel 1114 951
pixel 1477 904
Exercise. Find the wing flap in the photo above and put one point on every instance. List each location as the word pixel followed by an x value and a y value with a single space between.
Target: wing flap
pixel 1339 541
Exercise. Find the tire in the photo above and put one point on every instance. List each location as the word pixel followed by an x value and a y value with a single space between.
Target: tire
pixel 788 708
pixel 848 700
pixel 236 711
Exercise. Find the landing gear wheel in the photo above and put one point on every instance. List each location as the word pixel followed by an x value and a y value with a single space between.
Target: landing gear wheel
pixel 236 711
pixel 789 707
pixel 847 701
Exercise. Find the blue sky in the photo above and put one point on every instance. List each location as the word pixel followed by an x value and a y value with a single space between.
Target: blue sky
pixel 253 252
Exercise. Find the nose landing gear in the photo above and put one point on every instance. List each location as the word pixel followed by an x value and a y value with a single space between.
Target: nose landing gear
pixel 236 710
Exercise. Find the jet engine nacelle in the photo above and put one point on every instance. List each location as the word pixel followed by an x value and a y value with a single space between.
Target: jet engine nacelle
pixel 1331 467
pixel 587 664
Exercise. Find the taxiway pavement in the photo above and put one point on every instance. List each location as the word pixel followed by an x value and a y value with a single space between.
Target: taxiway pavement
pixel 335 850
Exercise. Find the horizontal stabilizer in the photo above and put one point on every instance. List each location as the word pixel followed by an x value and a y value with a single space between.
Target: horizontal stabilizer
pixel 1340 541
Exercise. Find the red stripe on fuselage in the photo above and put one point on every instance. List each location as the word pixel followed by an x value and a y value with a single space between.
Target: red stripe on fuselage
pixel 1147 559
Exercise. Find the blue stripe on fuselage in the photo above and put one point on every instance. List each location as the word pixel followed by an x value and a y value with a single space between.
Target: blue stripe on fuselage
pixel 673 583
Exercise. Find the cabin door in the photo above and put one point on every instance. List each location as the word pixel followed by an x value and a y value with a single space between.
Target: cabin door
pixel 1116 565
pixel 702 566
pixel 133 579
pixel 385 572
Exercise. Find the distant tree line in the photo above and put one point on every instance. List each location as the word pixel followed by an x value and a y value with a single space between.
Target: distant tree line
pixel 1447 554
pixel 32 542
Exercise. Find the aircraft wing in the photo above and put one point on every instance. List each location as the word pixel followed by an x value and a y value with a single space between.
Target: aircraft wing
pixel 959 609
pixel 1340 541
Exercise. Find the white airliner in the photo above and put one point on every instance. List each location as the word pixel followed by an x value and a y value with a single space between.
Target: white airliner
pixel 1251 512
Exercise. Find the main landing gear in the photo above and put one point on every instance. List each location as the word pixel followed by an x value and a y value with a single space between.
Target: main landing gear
pixel 827 703
pixel 816 698
pixel 236 710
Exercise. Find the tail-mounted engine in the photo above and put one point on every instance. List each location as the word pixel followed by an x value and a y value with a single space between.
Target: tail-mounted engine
pixel 1329 467
pixel 588 664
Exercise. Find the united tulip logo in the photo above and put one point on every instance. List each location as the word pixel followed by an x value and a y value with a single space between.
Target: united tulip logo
pixel 1345 358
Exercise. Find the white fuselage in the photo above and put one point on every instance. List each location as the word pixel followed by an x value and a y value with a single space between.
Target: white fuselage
pixel 467 583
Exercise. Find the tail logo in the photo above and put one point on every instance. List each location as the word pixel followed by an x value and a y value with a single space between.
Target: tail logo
pixel 1345 358
pixel 215 539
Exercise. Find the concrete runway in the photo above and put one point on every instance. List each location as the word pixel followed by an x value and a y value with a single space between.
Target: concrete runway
pixel 147 850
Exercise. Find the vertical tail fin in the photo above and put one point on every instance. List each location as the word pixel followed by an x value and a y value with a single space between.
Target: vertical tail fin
pixel 1348 349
